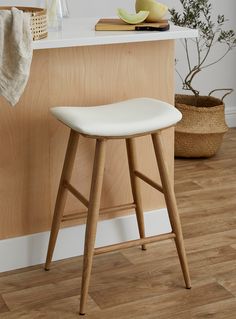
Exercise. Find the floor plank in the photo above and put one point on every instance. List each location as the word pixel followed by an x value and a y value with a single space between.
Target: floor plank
pixel 218 310
pixel 62 270
pixel 3 306
pixel 166 305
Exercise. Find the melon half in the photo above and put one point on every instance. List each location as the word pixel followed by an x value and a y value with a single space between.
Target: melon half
pixel 132 18
pixel 157 10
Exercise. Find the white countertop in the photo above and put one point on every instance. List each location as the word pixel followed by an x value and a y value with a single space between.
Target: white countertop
pixel 80 32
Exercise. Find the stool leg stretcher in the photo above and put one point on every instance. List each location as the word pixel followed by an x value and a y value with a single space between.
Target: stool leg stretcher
pixel 133 243
pixel 93 205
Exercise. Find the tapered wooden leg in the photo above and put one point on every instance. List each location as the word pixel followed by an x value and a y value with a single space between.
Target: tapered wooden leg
pixel 171 204
pixel 132 160
pixel 92 219
pixel 62 194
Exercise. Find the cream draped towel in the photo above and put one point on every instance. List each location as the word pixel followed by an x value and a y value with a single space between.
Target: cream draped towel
pixel 15 53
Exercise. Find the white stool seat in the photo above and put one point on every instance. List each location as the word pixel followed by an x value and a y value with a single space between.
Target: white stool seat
pixel 124 120
pixel 127 118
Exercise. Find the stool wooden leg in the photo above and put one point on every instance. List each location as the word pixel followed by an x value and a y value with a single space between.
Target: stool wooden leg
pixel 132 160
pixel 62 194
pixel 171 205
pixel 92 219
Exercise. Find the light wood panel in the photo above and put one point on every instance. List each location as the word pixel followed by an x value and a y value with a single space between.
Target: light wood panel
pixel 24 157
pixel 33 143
pixel 136 284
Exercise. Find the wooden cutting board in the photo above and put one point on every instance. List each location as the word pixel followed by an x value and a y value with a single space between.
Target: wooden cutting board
pixel 119 25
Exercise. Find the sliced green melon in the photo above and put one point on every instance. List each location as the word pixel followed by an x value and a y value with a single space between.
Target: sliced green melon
pixel 157 10
pixel 132 18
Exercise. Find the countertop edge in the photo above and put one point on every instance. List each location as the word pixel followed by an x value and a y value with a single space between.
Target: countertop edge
pixel 87 36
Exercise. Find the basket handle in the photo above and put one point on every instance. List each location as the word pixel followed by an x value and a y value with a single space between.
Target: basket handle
pixel 229 92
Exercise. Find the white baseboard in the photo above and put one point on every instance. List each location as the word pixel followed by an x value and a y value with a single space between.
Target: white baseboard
pixel 31 250
pixel 230 116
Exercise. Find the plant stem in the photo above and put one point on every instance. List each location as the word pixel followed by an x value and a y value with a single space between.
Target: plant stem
pixel 198 52
pixel 179 75
pixel 187 53
pixel 208 51
pixel 216 61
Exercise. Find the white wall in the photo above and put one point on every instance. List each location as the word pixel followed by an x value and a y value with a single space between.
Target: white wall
pixel 222 75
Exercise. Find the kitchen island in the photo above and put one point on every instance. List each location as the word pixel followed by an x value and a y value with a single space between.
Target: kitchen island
pixel 80 66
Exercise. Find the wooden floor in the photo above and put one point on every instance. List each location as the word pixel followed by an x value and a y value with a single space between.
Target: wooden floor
pixel 136 284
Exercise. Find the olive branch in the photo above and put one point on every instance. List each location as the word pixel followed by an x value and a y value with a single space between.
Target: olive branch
pixel 197 14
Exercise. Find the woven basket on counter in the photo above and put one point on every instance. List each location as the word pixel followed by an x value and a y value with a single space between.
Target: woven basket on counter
pixel 201 130
pixel 38 20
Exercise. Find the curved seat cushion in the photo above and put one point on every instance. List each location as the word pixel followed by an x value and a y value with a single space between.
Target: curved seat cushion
pixel 130 117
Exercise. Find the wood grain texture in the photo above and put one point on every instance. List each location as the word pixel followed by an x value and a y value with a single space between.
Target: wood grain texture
pixel 24 157
pixel 171 204
pixel 119 25
pixel 136 284
pixel 92 220
pixel 62 193
pixel 3 306
pixel 33 143
pixel 135 186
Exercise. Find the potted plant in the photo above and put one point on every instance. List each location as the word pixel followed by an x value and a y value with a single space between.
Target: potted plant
pixel 200 132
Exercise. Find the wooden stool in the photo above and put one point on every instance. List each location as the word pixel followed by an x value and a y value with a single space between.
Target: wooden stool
pixel 123 120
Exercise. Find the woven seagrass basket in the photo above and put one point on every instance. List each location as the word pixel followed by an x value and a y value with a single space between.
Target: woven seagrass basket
pixel 201 130
pixel 38 20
